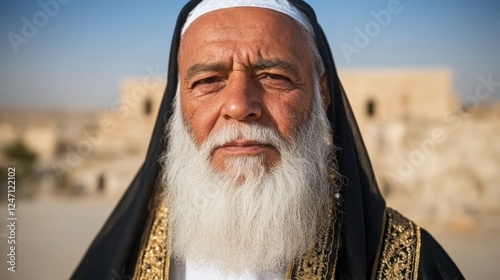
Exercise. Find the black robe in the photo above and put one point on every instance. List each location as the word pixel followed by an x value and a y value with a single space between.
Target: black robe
pixel 363 228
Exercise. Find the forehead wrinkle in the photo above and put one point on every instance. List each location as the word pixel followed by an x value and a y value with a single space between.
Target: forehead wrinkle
pixel 217 35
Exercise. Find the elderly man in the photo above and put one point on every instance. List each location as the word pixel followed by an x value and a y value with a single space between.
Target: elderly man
pixel 264 174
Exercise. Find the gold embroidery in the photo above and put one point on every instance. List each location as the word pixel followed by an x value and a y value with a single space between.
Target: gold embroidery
pixel 154 258
pixel 399 258
pixel 315 265
pixel 289 271
pixel 417 254
pixel 337 238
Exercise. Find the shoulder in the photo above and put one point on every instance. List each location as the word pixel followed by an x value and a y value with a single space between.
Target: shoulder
pixel 434 261
pixel 407 251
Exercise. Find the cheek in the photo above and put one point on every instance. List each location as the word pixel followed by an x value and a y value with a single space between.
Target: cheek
pixel 290 113
pixel 199 116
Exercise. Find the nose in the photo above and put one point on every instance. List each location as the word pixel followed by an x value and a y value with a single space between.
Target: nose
pixel 242 100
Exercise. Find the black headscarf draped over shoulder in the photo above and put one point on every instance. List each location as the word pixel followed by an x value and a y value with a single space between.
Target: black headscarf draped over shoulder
pixel 114 252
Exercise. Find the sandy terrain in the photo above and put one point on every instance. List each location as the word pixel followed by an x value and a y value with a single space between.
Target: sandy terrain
pixel 53 233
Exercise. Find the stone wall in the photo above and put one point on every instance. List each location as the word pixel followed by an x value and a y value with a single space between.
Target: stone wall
pixel 439 171
pixel 396 94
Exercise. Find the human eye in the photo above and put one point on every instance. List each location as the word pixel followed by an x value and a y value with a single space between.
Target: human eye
pixel 208 84
pixel 275 76
pixel 277 81
pixel 206 81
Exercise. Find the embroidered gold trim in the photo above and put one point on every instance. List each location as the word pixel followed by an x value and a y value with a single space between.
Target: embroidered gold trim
pixel 400 255
pixel 315 265
pixel 417 254
pixel 289 270
pixel 154 258
pixel 337 237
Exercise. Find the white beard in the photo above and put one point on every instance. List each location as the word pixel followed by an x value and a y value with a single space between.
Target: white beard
pixel 257 224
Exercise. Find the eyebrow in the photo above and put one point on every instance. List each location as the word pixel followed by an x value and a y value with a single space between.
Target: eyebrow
pixel 276 63
pixel 203 67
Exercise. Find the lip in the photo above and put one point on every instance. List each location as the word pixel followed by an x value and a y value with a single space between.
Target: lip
pixel 244 147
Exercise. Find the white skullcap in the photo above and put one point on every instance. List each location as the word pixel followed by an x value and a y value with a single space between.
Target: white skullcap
pixel 282 6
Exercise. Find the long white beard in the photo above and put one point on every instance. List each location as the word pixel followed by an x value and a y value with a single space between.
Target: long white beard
pixel 256 224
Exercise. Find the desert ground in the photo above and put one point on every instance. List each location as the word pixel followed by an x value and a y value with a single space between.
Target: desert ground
pixel 53 232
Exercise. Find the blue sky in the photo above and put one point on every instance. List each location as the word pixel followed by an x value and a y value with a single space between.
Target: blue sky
pixel 78 56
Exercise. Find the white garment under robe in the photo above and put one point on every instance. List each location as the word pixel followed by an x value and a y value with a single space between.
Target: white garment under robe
pixel 190 271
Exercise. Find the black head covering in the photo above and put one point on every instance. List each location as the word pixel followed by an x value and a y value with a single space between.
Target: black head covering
pixel 114 251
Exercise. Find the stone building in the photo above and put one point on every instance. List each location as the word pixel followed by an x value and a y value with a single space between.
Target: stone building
pixel 393 94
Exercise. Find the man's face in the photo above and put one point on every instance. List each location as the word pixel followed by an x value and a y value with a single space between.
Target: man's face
pixel 249 102
pixel 243 66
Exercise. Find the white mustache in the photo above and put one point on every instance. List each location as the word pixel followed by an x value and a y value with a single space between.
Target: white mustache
pixel 250 132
